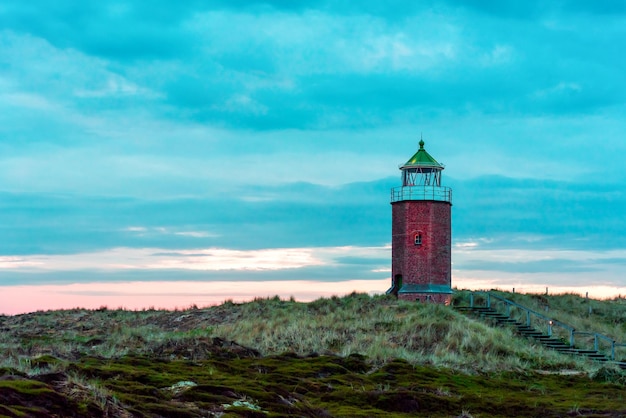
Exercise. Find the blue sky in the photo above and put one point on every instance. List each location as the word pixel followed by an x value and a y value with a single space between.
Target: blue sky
pixel 258 140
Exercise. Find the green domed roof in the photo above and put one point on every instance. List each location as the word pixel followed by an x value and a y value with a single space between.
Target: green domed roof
pixel 422 159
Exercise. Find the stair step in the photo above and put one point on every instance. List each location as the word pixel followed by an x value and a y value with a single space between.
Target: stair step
pixel 533 336
pixel 561 348
pixel 555 341
pixel 495 316
pixel 597 357
pixel 567 351
pixel 577 352
pixel 529 332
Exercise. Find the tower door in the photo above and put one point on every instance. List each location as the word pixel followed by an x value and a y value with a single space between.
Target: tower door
pixel 397 284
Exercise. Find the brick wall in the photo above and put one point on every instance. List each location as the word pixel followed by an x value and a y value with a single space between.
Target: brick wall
pixel 430 262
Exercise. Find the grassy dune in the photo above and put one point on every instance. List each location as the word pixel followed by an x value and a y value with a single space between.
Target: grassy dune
pixel 351 356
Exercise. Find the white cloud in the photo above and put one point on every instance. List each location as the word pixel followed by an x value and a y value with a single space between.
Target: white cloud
pixel 559 89
pixel 223 259
pixel 212 259
pixel 10 263
pixel 498 55
pixel 28 101
pixel 114 85
pixel 243 103
pixel 144 231
pixel 532 268
pixel 318 43
pixel 207 259
pixel 33 64
pixel 196 234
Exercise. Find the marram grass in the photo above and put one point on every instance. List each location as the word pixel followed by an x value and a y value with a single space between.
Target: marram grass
pixel 379 327
pixel 383 328
pixel 352 356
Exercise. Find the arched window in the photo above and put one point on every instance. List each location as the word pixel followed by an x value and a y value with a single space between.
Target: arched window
pixel 418 238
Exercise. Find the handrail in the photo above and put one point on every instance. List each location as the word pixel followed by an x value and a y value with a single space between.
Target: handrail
pixel 436 193
pixel 596 345
pixel 547 318
pixel 551 321
pixel 609 339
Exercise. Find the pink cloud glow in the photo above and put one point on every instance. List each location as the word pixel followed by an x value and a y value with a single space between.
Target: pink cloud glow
pixel 169 295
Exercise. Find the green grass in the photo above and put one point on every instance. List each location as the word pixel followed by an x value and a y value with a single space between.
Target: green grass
pixel 352 356
pixel 380 327
pixel 383 328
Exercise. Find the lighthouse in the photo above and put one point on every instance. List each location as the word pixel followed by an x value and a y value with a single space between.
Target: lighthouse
pixel 421 232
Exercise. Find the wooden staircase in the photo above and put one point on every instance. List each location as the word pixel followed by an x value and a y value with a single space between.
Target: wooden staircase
pixel 496 318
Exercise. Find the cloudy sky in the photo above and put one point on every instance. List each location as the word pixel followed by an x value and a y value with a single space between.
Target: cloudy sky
pixel 231 143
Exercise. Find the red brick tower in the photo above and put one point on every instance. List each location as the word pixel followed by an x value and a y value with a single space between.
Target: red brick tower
pixel 421 232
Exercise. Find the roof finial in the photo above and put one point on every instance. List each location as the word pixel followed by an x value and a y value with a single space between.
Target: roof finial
pixel 421 142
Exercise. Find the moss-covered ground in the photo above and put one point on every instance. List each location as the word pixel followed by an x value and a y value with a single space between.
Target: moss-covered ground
pixel 316 386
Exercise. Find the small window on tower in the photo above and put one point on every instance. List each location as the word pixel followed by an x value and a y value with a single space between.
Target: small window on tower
pixel 418 239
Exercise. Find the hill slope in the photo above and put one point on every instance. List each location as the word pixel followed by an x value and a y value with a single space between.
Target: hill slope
pixel 351 356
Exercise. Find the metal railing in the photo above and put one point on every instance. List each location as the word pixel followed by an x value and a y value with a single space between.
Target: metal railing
pixel 538 320
pixel 436 193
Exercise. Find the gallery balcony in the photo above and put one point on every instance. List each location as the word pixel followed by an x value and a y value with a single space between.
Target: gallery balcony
pixel 434 193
